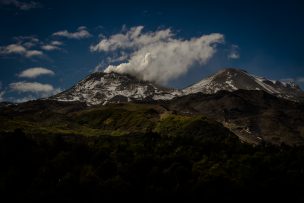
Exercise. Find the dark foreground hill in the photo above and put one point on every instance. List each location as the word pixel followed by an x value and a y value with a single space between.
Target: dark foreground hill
pixel 208 164
pixel 65 151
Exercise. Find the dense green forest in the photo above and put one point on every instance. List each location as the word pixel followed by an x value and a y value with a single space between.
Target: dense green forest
pixel 68 152
pixel 205 163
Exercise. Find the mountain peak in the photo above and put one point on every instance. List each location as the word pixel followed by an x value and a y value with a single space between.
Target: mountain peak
pixel 101 88
pixel 231 79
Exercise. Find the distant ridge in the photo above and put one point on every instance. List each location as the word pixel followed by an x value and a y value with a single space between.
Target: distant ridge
pixel 103 88
pixel 232 79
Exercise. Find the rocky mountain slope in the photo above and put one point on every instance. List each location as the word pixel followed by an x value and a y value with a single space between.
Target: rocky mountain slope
pixel 254 116
pixel 101 88
pixel 234 79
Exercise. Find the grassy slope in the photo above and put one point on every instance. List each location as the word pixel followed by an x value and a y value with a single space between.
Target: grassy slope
pixel 114 119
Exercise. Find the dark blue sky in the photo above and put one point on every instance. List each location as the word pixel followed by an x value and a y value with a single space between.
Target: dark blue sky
pixel 267 36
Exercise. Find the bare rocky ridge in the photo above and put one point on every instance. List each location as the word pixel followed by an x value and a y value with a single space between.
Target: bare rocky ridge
pixel 234 79
pixel 103 88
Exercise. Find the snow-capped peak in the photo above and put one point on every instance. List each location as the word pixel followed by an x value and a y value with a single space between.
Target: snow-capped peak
pixel 101 88
pixel 233 79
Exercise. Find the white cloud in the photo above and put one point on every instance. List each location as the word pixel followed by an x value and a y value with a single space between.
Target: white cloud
pixel 38 89
pixel 81 33
pixel 27 42
pixel 34 87
pixel 32 40
pixel 21 4
pixel 82 28
pixel 29 46
pixel 234 55
pixel 35 96
pixel 12 49
pixel 56 43
pixel 20 50
pixel 117 57
pixel 158 56
pixel 234 52
pixel 32 53
pixel 35 72
pixel 133 38
pixel 49 47
pixel 122 57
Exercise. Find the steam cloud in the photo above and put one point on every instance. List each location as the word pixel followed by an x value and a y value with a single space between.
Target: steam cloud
pixel 158 56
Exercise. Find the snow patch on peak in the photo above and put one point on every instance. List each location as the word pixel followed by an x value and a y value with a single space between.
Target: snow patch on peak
pixel 103 88
pixel 233 79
